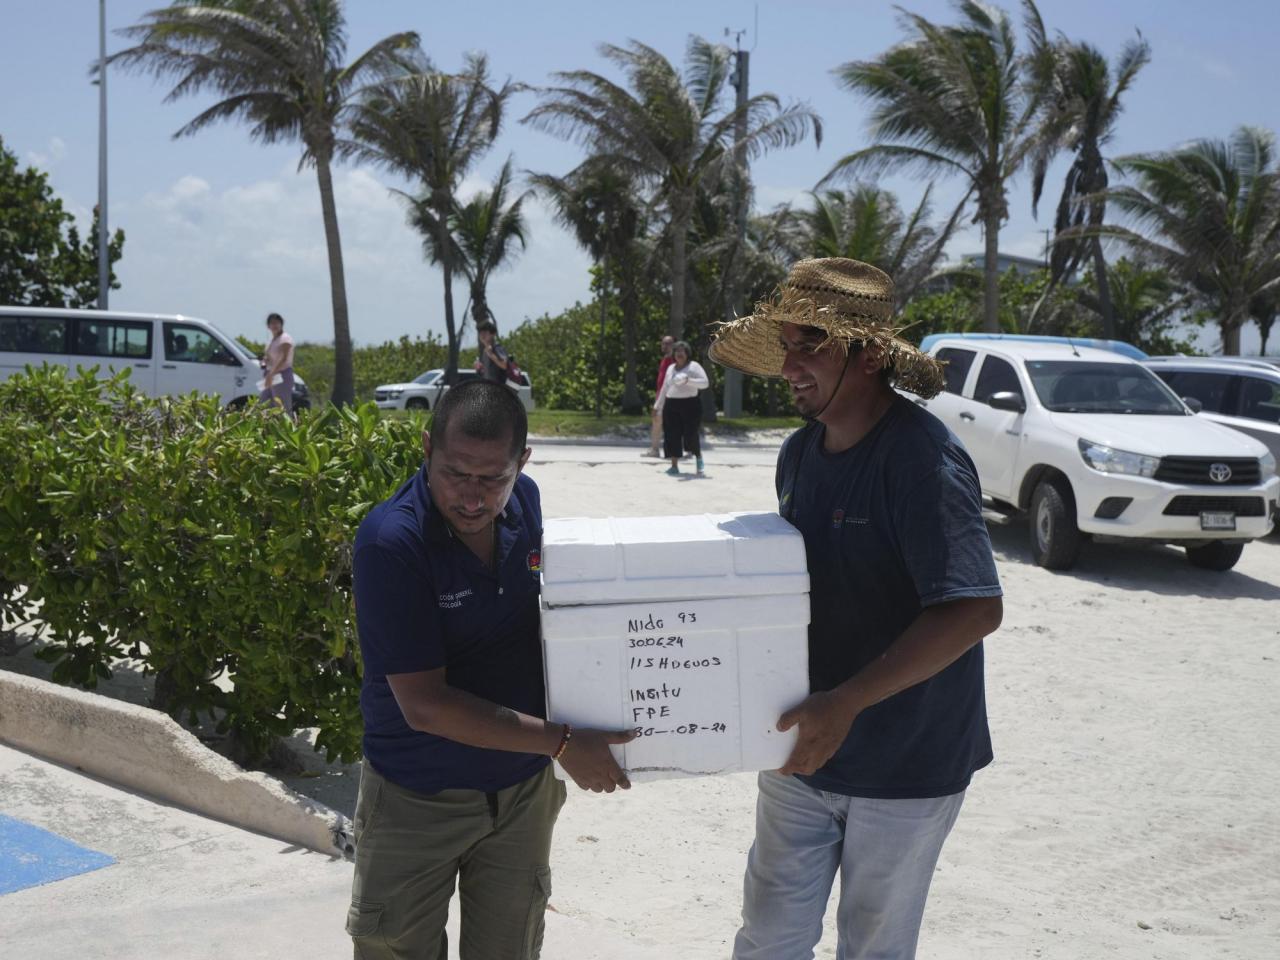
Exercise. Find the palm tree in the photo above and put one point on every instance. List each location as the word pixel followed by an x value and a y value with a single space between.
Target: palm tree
pixel 956 99
pixel 600 205
pixel 1211 215
pixel 485 230
pixel 1146 300
pixel 1263 310
pixel 432 127
pixel 278 65
pixel 868 224
pixel 669 131
pixel 1081 111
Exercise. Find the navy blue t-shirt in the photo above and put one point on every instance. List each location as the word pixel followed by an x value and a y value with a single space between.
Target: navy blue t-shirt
pixel 425 601
pixel 892 525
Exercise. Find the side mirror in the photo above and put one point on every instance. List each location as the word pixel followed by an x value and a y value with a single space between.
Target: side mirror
pixel 1195 405
pixel 1008 400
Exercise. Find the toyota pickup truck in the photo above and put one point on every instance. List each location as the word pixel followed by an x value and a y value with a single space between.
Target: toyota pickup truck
pixel 1090 443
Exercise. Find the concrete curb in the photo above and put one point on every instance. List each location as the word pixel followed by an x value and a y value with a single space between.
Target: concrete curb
pixel 146 750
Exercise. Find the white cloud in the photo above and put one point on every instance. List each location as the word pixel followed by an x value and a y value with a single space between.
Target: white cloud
pixel 54 154
pixel 1218 69
pixel 235 254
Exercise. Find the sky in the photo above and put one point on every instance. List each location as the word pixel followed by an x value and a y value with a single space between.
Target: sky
pixel 227 229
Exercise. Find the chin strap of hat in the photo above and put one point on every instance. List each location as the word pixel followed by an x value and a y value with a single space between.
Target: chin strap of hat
pixel 843 370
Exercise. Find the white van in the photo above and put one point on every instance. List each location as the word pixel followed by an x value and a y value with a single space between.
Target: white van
pixel 168 355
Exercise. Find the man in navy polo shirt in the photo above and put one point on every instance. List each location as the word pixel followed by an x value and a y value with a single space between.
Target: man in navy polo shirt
pixel 456 784
pixel 903 588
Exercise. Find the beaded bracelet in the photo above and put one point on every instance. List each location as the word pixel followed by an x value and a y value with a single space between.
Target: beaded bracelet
pixel 565 737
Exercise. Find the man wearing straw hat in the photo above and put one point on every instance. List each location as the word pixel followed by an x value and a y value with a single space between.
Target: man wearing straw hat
pixel 903 589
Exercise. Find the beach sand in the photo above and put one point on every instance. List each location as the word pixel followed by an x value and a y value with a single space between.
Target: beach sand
pixel 1131 809
pixel 1130 813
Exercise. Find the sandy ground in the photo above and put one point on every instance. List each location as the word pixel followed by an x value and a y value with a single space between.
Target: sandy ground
pixel 1130 812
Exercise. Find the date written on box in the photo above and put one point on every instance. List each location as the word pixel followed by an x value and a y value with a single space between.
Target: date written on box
pixel 701 681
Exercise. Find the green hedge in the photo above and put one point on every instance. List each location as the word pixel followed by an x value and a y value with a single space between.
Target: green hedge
pixel 206 543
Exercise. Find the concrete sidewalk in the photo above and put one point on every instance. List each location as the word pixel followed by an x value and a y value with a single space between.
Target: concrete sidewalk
pixel 187 887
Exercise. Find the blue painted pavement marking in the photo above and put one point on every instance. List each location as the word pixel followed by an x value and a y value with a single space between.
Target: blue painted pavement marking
pixel 30 856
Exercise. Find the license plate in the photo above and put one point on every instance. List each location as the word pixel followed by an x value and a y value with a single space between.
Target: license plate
pixel 1217 521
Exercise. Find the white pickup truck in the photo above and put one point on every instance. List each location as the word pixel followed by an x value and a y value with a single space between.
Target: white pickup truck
pixel 424 391
pixel 1091 443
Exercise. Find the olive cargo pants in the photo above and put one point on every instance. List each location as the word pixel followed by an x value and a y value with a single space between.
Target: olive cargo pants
pixel 410 849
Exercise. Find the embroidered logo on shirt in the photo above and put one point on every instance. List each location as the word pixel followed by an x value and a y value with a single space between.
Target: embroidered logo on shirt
pixel 534 560
pixel 449 601
pixel 839 519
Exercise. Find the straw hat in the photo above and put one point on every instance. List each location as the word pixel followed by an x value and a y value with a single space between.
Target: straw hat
pixel 852 301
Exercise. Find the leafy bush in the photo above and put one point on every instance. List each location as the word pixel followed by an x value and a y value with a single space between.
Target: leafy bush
pixel 204 542
pixel 559 353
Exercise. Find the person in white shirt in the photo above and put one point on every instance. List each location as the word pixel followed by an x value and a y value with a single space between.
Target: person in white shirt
pixel 680 407
pixel 277 360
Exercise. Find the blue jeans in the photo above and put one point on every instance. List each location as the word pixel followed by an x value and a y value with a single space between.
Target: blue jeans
pixel 884 850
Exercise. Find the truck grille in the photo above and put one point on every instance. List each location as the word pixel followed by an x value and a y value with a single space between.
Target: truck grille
pixel 1244 470
pixel 379 394
pixel 1194 506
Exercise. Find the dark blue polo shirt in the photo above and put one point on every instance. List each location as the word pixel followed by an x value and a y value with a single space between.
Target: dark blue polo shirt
pixel 425 601
pixel 891 526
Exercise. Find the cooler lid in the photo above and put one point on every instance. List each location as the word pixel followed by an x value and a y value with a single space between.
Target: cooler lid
pixel 619 559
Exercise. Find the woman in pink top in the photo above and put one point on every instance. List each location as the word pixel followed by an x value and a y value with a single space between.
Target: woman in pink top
pixel 277 360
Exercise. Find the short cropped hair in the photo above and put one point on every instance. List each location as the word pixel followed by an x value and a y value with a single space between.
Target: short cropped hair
pixel 682 345
pixel 489 325
pixel 482 411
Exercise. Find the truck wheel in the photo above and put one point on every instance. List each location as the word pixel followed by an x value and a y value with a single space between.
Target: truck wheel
pixel 1219 555
pixel 1055 538
pixel 416 403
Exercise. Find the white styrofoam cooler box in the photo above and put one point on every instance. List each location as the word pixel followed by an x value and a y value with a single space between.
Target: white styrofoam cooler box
pixel 691 630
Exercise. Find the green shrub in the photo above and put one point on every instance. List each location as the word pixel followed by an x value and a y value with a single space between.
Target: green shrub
pixel 559 354
pixel 204 542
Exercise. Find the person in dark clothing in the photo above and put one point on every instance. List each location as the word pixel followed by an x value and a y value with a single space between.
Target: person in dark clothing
pixel 456 784
pixel 493 359
pixel 903 588
pixel 681 409
pixel 655 424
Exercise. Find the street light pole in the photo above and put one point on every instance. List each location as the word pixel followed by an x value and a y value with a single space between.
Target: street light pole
pixel 104 261
pixel 733 378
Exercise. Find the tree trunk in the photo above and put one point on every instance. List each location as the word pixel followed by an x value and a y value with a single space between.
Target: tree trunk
pixel 679 265
pixel 1106 311
pixel 991 270
pixel 630 310
pixel 343 392
pixel 1231 335
pixel 446 266
pixel 604 310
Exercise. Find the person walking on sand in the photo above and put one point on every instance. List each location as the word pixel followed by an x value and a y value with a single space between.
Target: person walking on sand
pixel 903 590
pixel 456 784
pixel 680 407
pixel 277 361
pixel 655 421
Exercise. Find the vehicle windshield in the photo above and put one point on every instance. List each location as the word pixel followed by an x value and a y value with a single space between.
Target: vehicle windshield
pixel 1067 386
pixel 428 378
